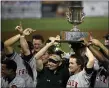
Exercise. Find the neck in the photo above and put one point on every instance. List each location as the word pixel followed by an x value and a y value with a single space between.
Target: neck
pixel 11 77
pixel 77 71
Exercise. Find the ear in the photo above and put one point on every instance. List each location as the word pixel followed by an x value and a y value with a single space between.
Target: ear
pixel 10 70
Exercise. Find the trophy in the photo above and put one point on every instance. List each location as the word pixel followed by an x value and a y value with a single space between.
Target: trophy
pixel 74 16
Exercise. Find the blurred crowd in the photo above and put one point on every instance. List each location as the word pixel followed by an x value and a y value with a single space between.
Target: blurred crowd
pixel 40 65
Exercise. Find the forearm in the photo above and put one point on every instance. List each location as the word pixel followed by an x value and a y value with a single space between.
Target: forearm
pixel 104 49
pixel 99 56
pixel 12 40
pixel 96 53
pixel 24 45
pixel 42 51
pixel 90 56
pixel 8 44
pixel 39 65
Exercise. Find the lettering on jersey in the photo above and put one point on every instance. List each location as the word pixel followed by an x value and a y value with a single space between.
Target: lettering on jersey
pixel 21 71
pixel 102 79
pixel 72 83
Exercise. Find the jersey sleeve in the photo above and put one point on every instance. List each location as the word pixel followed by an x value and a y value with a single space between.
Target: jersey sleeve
pixel 87 73
pixel 13 56
pixel 27 57
pixel 20 83
pixel 88 70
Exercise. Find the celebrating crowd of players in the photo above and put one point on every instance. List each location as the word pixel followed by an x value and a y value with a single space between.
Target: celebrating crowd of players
pixel 39 65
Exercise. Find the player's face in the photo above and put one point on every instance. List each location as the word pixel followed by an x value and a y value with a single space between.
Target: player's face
pixel 4 70
pixel 73 66
pixel 37 44
pixel 51 65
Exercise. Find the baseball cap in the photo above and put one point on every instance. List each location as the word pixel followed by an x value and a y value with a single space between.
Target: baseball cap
pixel 55 58
pixel 106 36
pixel 29 44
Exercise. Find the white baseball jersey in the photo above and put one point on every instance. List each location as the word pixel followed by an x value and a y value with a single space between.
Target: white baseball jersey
pixel 4 83
pixel 17 81
pixel 21 70
pixel 96 64
pixel 81 79
pixel 32 63
pixel 101 80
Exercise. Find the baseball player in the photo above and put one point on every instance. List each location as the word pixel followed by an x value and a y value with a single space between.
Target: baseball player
pixel 100 75
pixel 21 68
pixel 81 75
pixel 27 52
pixel 9 77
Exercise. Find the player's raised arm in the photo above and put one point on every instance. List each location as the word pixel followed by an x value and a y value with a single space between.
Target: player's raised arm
pixel 44 49
pixel 101 46
pixel 23 42
pixel 37 56
pixel 9 42
pixel 90 56
pixel 98 55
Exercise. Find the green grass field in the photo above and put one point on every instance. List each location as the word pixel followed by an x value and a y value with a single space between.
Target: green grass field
pixel 90 23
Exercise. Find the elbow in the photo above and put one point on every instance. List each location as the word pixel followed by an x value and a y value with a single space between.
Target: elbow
pixel 6 44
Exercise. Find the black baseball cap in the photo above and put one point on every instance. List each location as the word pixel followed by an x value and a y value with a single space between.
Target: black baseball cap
pixel 29 44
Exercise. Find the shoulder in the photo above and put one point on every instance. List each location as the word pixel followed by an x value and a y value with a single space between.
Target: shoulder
pixel 13 56
pixel 18 82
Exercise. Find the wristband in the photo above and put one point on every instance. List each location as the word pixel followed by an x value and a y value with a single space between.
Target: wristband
pixel 22 36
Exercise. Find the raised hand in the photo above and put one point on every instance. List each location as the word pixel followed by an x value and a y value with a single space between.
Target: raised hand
pixel 28 31
pixel 19 28
pixel 53 39
pixel 86 43
pixel 96 42
pixel 57 37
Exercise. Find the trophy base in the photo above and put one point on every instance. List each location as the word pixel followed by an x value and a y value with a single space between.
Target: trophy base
pixel 73 36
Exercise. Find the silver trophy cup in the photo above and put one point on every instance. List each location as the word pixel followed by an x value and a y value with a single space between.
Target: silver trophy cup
pixel 75 16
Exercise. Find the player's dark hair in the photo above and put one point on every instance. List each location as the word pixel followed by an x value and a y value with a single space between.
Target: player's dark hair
pixel 79 60
pixel 10 64
pixel 38 37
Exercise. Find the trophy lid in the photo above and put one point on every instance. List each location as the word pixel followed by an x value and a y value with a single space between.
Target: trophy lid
pixel 74 4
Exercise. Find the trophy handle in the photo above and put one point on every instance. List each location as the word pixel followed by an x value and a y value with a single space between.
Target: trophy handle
pixel 83 15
